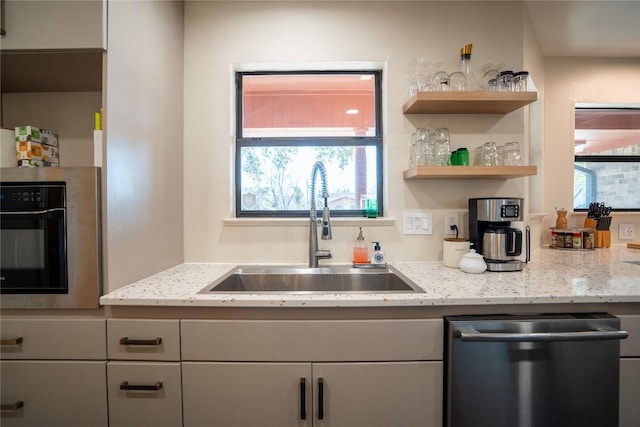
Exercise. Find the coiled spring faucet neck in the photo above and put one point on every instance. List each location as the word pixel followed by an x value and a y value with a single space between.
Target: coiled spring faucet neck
pixel 314 253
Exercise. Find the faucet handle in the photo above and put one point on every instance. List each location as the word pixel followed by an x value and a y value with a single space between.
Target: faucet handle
pixel 326 224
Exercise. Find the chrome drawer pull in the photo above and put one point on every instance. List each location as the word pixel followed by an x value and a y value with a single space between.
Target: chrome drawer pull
pixel 13 407
pixel 127 341
pixel 124 385
pixel 12 341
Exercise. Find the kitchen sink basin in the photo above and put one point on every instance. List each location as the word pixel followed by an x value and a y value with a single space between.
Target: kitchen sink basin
pixel 265 280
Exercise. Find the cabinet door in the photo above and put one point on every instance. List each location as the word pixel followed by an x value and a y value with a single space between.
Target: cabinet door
pixel 54 393
pixel 629 392
pixel 54 24
pixel 407 394
pixel 144 394
pixel 246 394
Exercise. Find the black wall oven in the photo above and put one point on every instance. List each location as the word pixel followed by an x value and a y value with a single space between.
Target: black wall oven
pixel 50 238
pixel 33 254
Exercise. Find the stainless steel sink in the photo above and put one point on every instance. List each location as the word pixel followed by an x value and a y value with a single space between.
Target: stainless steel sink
pixel 282 279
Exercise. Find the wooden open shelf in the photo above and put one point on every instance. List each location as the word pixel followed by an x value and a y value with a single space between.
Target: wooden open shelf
pixel 462 172
pixel 472 102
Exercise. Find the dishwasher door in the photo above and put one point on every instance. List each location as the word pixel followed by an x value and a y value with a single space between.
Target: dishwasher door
pixel 535 371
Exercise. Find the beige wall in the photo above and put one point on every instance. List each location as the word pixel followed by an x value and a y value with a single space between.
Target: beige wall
pixel 220 34
pixel 143 155
pixel 569 81
pixel 70 114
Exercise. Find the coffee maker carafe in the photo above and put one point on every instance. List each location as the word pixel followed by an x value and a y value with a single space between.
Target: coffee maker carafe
pixel 491 234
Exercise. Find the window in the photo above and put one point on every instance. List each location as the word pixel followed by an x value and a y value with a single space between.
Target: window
pixel 286 121
pixel 607 157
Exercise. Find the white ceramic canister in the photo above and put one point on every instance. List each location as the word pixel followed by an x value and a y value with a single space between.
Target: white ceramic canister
pixel 452 251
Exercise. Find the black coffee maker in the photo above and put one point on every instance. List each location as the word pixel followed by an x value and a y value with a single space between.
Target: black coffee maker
pixel 491 234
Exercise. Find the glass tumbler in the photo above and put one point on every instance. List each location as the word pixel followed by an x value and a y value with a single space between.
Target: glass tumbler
pixel 442 153
pixel 489 154
pixel 512 154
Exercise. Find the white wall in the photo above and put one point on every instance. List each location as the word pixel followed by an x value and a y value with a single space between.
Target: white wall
pixel 70 114
pixel 569 81
pixel 219 34
pixel 143 209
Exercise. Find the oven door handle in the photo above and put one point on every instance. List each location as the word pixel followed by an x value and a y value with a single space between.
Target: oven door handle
pixel 42 212
pixel 469 333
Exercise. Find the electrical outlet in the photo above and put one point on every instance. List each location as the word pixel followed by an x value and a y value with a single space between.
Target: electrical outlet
pixel 417 223
pixel 451 219
pixel 626 231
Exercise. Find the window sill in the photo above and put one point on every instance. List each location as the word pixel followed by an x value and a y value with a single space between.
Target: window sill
pixel 304 222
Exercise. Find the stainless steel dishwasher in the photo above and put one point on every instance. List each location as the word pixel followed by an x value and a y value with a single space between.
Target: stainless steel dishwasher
pixel 533 371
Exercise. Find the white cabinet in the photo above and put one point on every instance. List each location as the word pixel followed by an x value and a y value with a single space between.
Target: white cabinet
pixel 37 25
pixel 366 394
pixel 53 372
pixel 53 393
pixel 144 373
pixel 144 394
pixel 310 373
pixel 245 394
pixel 630 372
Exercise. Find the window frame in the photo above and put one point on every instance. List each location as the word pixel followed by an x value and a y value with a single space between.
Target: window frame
pixel 342 141
pixel 603 159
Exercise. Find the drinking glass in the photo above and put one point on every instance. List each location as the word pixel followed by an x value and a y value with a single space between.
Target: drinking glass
pixel 477 156
pixel 501 152
pixel 512 154
pixel 489 154
pixel 441 81
pixel 457 81
pixel 489 72
pixel 412 150
pixel 442 152
pixel 441 146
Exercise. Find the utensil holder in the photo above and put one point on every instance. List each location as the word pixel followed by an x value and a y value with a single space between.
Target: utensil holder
pixel 603 238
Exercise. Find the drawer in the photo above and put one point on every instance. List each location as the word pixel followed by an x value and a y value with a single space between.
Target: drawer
pixel 53 338
pixel 141 339
pixel 54 393
pixel 630 347
pixel 144 394
pixel 312 340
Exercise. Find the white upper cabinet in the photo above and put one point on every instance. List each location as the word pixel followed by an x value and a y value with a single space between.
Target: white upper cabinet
pixel 68 24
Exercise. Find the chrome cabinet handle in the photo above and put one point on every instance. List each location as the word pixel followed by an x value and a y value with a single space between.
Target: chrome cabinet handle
pixel 469 333
pixel 127 341
pixel 12 407
pixel 124 385
pixel 12 341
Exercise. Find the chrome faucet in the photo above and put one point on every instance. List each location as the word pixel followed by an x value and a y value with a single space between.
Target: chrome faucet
pixel 314 253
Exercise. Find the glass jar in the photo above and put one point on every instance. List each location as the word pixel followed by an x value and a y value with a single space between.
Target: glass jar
pixel 504 81
pixel 519 81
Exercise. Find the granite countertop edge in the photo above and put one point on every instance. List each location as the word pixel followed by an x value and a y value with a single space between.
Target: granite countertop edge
pixel 609 275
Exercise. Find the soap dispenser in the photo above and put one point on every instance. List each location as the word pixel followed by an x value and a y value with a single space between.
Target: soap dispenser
pixel 360 250
pixel 378 255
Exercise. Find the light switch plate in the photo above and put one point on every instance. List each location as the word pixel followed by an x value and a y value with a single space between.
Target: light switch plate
pixel 417 223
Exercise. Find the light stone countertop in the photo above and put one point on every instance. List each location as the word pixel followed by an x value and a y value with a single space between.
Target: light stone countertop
pixel 552 276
